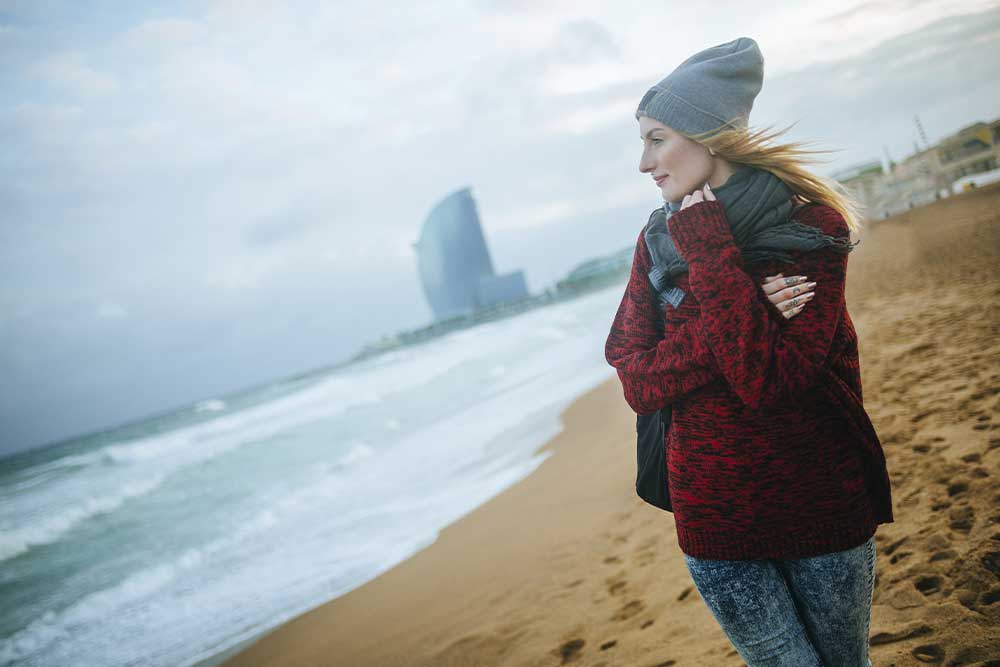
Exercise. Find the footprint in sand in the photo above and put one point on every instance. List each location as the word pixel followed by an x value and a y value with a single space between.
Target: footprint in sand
pixel 928 584
pixel 947 554
pixel 645 557
pixel 892 546
pixel 616 584
pixel 991 561
pixel 902 555
pixel 628 610
pixel 961 518
pixel 957 487
pixel 923 415
pixel 928 653
pixel 646 552
pixel 991 596
pixel 570 651
pixel 916 630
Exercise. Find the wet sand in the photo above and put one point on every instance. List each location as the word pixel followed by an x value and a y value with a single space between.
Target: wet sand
pixel 570 567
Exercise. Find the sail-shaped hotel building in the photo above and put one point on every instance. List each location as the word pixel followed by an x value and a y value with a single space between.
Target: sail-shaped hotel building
pixel 454 263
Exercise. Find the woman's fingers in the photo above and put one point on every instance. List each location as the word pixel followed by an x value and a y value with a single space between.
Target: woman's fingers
pixel 779 282
pixel 697 196
pixel 788 294
pixel 772 284
pixel 792 306
pixel 792 312
pixel 786 287
pixel 796 290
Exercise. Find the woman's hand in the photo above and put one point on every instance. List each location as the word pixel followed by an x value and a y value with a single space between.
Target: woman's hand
pixel 789 295
pixel 705 194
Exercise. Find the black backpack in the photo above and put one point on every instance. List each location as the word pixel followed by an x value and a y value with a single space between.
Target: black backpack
pixel 651 481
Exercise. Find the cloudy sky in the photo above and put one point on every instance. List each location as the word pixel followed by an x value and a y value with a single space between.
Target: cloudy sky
pixel 196 197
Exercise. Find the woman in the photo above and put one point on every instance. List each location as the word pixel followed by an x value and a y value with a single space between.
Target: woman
pixel 734 316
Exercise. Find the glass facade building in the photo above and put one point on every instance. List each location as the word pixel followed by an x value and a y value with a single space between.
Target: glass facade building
pixel 454 263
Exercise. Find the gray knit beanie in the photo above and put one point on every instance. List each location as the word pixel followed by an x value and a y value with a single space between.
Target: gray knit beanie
pixel 712 90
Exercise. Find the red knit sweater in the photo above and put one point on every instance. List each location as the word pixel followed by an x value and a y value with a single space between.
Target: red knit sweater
pixel 769 453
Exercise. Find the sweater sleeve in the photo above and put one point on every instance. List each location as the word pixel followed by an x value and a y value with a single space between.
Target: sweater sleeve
pixel 765 364
pixel 655 371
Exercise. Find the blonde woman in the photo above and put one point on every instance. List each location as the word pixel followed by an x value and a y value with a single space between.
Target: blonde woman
pixel 777 479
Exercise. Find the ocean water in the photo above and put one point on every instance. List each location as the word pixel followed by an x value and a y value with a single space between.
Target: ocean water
pixel 170 541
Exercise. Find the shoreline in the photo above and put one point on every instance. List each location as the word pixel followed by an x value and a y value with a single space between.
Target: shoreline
pixel 557 443
pixel 542 511
pixel 568 565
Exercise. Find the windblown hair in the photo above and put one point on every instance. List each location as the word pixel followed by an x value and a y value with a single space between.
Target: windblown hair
pixel 756 147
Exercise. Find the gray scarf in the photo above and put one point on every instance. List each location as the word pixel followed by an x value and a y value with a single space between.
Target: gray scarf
pixel 758 205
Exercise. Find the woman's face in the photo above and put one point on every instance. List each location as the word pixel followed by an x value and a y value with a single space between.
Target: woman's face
pixel 678 165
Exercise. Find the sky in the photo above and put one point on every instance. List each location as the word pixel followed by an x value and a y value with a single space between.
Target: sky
pixel 199 197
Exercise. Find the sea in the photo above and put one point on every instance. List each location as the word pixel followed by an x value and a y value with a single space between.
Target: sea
pixel 174 540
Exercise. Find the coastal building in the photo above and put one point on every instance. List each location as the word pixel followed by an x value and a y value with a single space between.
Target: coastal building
pixel 972 150
pixel 455 267
pixel 940 170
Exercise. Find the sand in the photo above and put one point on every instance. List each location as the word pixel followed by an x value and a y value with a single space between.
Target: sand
pixel 570 567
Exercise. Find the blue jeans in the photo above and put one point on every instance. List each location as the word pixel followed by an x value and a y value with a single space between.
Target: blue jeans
pixel 798 612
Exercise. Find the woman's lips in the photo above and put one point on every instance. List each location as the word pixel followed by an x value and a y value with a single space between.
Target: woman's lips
pixel 659 181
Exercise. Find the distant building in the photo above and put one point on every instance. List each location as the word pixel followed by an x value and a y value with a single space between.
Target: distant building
pixel 499 289
pixel 454 263
pixel 598 272
pixel 864 181
pixel 971 150
pixel 972 153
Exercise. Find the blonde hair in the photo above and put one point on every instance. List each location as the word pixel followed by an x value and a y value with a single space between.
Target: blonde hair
pixel 754 147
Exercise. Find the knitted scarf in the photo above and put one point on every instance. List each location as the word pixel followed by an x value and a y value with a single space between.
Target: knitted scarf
pixel 758 205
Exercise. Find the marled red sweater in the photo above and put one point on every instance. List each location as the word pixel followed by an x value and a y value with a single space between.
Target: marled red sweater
pixel 769 453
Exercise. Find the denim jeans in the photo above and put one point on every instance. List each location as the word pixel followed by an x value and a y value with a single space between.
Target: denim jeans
pixel 798 612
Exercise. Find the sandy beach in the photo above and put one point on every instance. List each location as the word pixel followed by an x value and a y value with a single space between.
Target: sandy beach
pixel 569 566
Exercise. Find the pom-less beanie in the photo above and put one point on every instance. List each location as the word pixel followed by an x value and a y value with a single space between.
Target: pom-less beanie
pixel 712 90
